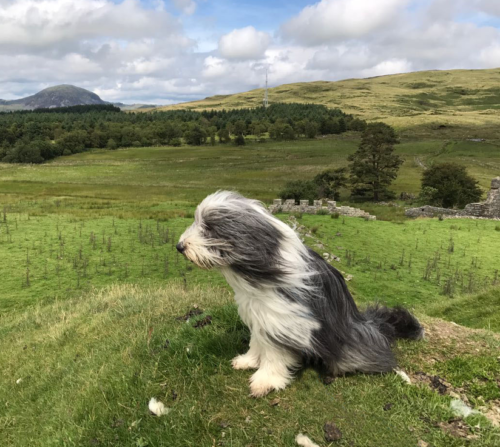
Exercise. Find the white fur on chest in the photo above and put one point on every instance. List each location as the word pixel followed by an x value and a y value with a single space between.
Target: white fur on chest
pixel 271 316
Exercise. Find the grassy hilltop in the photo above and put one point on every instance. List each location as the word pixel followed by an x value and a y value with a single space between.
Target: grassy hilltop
pixel 453 97
pixel 98 330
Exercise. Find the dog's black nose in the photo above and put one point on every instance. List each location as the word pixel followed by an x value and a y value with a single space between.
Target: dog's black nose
pixel 180 247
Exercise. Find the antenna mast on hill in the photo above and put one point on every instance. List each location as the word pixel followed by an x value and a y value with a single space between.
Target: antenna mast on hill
pixel 266 97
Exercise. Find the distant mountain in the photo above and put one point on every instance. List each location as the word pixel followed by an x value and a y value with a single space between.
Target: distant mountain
pixel 61 96
pixel 130 107
pixel 58 96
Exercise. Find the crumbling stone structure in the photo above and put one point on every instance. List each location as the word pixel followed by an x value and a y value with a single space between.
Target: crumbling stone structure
pixel 490 209
pixel 289 206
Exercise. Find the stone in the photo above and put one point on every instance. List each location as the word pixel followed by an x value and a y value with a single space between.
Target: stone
pixel 289 206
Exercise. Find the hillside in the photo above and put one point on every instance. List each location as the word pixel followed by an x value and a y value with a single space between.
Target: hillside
pixel 464 97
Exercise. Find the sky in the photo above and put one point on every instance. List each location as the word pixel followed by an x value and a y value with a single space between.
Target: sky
pixel 170 51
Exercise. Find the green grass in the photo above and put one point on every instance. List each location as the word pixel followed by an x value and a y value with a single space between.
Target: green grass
pixel 92 286
pixel 409 263
pixel 479 310
pixel 55 256
pixel 89 365
pixel 141 176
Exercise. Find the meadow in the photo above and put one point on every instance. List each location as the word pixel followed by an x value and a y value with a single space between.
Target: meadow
pixel 160 175
pixel 95 302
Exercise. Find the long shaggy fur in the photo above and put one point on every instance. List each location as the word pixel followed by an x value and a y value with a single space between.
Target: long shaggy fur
pixel 297 306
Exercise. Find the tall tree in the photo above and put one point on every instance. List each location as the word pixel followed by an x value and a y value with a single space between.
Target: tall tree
pixel 374 166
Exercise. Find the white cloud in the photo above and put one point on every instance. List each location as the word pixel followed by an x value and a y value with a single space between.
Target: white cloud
pixel 186 6
pixel 135 51
pixel 343 56
pixel 392 66
pixel 488 6
pixel 42 23
pixel 331 20
pixel 244 43
pixel 490 56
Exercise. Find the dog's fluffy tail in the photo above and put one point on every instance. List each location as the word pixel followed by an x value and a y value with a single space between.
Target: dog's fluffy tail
pixel 394 323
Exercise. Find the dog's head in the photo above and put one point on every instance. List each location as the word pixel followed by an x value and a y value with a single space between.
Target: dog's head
pixel 230 230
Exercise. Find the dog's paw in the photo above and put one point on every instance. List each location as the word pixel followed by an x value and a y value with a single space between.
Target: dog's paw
pixel 245 361
pixel 262 383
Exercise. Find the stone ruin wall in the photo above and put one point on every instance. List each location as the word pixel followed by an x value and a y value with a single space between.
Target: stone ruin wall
pixel 290 206
pixel 490 209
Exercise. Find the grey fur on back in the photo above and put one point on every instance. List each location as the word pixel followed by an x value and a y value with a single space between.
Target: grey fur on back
pixel 349 340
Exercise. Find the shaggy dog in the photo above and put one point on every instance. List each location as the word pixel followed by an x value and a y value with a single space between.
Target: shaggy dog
pixel 297 306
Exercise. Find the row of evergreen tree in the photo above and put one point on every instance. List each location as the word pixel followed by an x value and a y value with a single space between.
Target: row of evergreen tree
pixel 43 134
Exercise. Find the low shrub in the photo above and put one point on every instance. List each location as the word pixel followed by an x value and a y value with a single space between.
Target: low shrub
pixel 300 190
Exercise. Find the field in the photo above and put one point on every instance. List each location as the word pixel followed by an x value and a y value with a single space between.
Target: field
pixel 175 175
pixel 93 293
pixel 421 101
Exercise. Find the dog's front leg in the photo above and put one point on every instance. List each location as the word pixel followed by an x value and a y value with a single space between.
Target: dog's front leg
pixel 274 372
pixel 250 360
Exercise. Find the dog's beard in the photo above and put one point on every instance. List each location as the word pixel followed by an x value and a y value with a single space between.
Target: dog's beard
pixel 201 257
pixel 204 253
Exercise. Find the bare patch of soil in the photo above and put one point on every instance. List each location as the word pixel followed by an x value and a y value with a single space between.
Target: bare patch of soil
pixel 457 428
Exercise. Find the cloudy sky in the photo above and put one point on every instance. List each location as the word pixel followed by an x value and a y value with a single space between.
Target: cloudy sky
pixel 168 51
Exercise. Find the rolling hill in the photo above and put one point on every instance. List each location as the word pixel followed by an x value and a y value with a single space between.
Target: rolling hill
pixel 455 97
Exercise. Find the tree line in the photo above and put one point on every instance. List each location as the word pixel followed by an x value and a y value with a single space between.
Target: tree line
pixel 42 134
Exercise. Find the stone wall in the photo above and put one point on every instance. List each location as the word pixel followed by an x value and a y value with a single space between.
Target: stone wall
pixel 290 206
pixel 490 209
pixel 433 211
